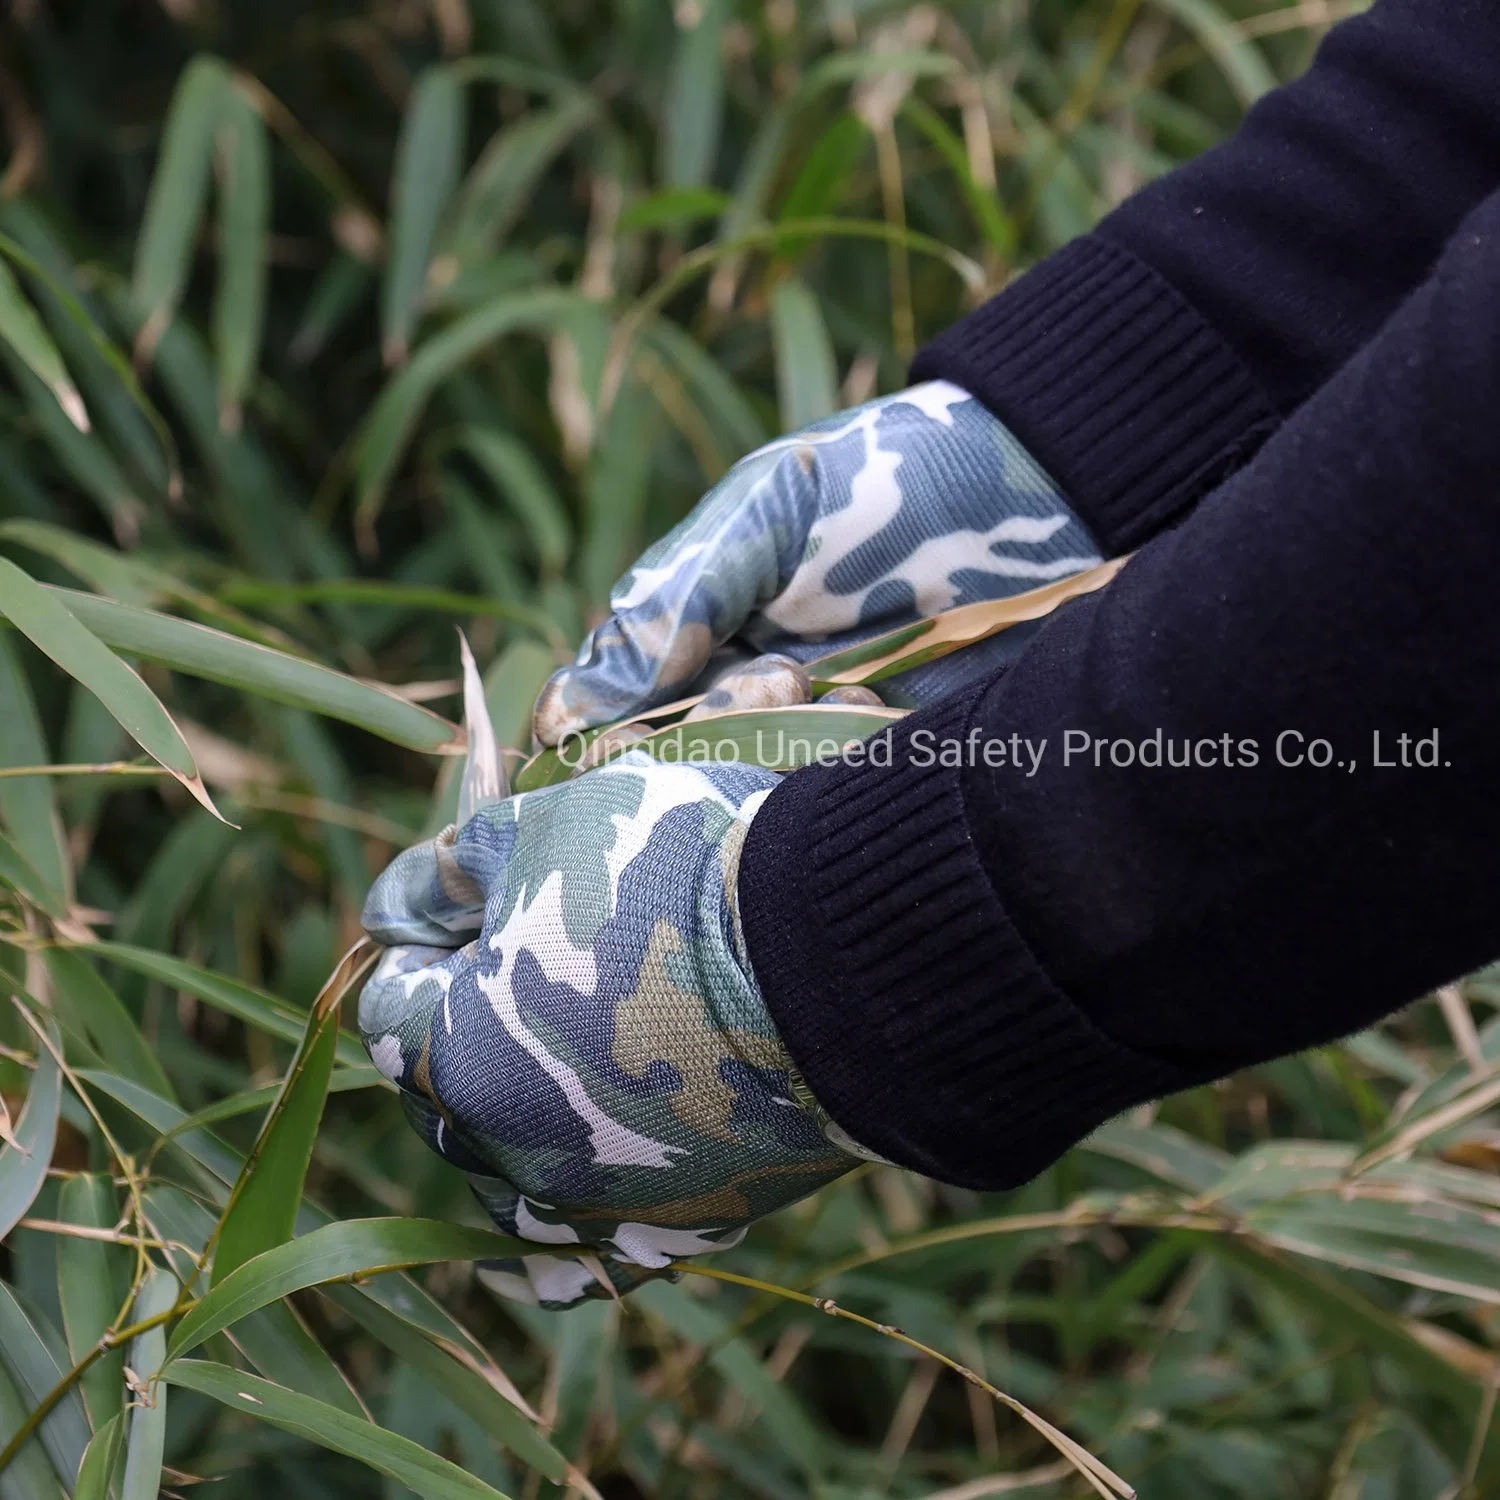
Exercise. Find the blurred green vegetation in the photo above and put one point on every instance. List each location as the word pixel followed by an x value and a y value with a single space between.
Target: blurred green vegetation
pixel 332 327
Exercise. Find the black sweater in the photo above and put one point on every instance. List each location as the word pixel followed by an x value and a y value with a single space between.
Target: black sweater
pixel 1289 353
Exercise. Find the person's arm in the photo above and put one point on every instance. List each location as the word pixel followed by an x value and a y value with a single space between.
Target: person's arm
pixel 975 965
pixel 1144 362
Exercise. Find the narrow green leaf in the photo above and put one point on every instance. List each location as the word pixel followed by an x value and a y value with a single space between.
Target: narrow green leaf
pixel 65 1429
pixel 201 651
pixel 86 1003
pixel 519 478
pixel 694 110
pixel 461 1383
pixel 262 1209
pixel 28 804
pixel 274 1339
pixel 47 622
pixel 28 1476
pixel 24 1161
pixel 244 228
pixel 23 330
pixel 179 191
pixel 429 154
pixel 148 1418
pixel 199 1146
pixel 824 181
pixel 806 373
pixel 391 422
pixel 344 1081
pixel 110 572
pixel 252 1006
pixel 336 1252
pixel 22 876
pixel 673 208
pixel 91 1279
pixel 101 1460
pixel 404 1461
pixel 501 184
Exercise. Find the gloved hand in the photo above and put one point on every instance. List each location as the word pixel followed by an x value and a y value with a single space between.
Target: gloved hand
pixel 886 514
pixel 571 1016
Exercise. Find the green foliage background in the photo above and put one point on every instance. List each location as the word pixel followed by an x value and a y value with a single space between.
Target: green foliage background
pixel 332 326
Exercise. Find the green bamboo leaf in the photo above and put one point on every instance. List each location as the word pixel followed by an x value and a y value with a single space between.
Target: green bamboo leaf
pixel 25 1159
pixel 199 1146
pixel 46 621
pixel 786 1420
pixel 824 180
pixel 91 1280
pixel 519 478
pixel 399 407
pixel 429 153
pixel 345 1080
pixel 101 1460
pixel 148 1418
pixel 201 651
pixel 24 331
pixel 401 1459
pixel 252 1006
pixel 65 1429
pixel 29 1475
pixel 693 113
pixel 673 208
pixel 501 184
pixel 179 192
pixel 110 572
pixel 262 1211
pixel 275 1340
pixel 18 872
pixel 336 1252
pixel 1443 1246
pixel 244 227
pixel 28 804
pixel 806 372
pixel 460 1380
pixel 82 456
pixel 994 223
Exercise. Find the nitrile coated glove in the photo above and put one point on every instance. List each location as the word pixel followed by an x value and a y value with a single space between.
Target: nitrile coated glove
pixel 569 1011
pixel 894 511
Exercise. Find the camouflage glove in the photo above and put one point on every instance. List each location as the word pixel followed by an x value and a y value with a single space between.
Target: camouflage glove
pixel 904 507
pixel 595 1054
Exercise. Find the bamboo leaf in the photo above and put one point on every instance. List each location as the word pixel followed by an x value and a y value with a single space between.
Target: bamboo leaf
pixel 1240 60
pixel 28 804
pixel 673 208
pixel 428 157
pixel 399 407
pixel 23 330
pixel 25 1159
pixel 252 1006
pixel 90 1284
pixel 694 108
pixel 47 622
pixel 401 1459
pixel 22 876
pixel 519 478
pixel 244 228
pixel 29 1475
pixel 336 1252
pixel 65 1429
pixel 806 374
pixel 148 1417
pixel 101 1460
pixel 262 1209
pixel 501 184
pixel 201 651
pixel 179 192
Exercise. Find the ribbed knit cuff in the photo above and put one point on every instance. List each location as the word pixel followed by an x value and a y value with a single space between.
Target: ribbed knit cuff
pixel 912 1006
pixel 1114 382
